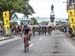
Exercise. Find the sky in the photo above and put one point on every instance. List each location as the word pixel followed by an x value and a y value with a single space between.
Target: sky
pixel 43 8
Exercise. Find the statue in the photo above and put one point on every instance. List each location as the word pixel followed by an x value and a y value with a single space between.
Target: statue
pixel 52 7
pixel 52 16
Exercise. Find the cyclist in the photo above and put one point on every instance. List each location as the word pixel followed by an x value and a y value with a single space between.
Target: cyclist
pixel 26 38
pixel 49 30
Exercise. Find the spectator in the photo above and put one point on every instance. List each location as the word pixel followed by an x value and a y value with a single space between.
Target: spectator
pixel 1 31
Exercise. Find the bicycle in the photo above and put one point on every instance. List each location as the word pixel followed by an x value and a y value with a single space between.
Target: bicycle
pixel 26 43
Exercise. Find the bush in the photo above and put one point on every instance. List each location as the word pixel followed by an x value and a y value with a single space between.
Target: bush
pixel 13 23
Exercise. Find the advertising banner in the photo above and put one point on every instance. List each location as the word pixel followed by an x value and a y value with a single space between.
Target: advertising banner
pixel 6 22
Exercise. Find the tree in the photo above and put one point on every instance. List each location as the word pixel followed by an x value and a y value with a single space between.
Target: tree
pixel 34 21
pixel 28 10
pixel 15 6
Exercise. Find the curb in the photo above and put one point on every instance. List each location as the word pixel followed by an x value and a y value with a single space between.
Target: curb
pixel 6 38
pixel 68 34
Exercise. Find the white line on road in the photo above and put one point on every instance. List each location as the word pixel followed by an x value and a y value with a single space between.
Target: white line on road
pixel 58 54
pixel 31 45
pixel 57 35
pixel 29 42
pixel 41 38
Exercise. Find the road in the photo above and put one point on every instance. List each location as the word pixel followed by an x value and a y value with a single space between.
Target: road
pixel 55 45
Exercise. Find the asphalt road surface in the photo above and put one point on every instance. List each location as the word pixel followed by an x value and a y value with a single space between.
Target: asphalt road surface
pixel 55 45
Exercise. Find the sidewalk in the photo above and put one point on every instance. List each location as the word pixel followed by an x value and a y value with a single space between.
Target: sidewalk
pixel 71 39
pixel 2 38
pixel 70 36
pixel 5 40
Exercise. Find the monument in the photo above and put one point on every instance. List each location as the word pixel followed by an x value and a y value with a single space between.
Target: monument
pixel 52 15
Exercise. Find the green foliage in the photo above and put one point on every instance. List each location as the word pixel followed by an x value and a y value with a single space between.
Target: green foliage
pixel 13 23
pixel 15 6
pixel 34 21
pixel 59 22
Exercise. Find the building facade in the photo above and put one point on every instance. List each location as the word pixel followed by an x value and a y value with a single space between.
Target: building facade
pixel 20 19
pixel 71 13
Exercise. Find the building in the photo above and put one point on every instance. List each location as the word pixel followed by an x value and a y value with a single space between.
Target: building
pixel 20 19
pixel 71 13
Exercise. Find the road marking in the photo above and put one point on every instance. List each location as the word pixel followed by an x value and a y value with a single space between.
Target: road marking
pixel 58 54
pixel 41 38
pixel 29 42
pixel 57 35
pixel 31 45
